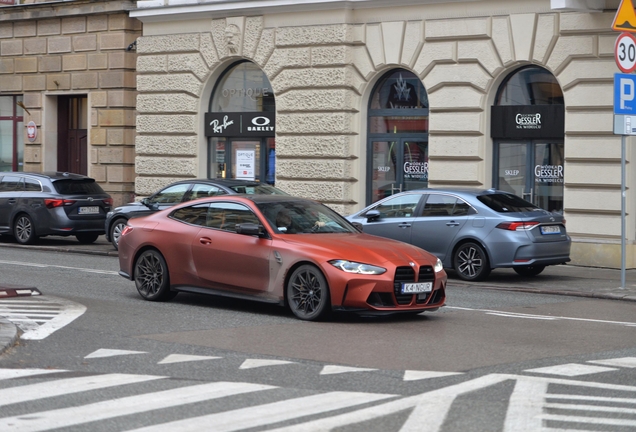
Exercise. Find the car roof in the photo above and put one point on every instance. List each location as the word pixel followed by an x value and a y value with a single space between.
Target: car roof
pixel 52 175
pixel 259 199
pixel 217 182
pixel 461 190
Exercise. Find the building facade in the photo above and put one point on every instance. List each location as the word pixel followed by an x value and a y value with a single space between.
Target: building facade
pixel 350 101
pixel 67 90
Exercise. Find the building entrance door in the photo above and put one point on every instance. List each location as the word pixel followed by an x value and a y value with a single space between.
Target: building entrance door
pixel 72 144
pixel 532 170
pixel 398 165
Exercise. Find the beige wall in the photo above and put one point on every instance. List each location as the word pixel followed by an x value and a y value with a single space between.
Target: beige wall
pixel 77 48
pixel 323 70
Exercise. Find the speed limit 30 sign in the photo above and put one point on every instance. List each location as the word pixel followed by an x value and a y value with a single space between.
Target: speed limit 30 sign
pixel 625 52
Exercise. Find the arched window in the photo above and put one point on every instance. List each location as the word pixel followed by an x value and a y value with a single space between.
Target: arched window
pixel 397 135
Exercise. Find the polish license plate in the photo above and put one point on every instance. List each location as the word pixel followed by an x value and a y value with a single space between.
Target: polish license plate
pixel 551 229
pixel 88 210
pixel 416 288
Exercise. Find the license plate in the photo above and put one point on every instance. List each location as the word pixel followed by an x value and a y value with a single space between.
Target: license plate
pixel 416 288
pixel 551 229
pixel 88 210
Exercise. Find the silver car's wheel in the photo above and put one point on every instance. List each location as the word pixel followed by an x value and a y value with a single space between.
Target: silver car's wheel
pixel 151 277
pixel 471 262
pixel 115 231
pixel 23 230
pixel 308 293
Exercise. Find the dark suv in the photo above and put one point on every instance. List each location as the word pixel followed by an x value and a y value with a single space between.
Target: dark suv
pixel 35 205
pixel 181 191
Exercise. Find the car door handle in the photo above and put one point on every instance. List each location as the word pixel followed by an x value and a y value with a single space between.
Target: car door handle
pixel 404 225
pixel 205 240
pixel 452 223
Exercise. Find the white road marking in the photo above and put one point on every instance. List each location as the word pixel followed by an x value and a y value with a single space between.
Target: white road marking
pixel 38 317
pixel 256 363
pixel 18 373
pixel 66 417
pixel 178 358
pixel 541 317
pixel 81 269
pixel 627 362
pixel 413 375
pixel 66 386
pixel 591 398
pixel 589 420
pixel 526 404
pixel 588 408
pixel 570 369
pixel 103 352
pixel 332 369
pixel 262 415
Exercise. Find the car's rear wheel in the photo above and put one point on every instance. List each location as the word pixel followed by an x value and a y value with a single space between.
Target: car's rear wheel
pixel 23 230
pixel 471 262
pixel 115 231
pixel 86 238
pixel 308 293
pixel 152 278
pixel 531 270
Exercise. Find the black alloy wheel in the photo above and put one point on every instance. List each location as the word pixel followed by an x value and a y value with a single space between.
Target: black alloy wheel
pixel 23 229
pixel 151 277
pixel 531 270
pixel 308 294
pixel 86 238
pixel 115 231
pixel 471 262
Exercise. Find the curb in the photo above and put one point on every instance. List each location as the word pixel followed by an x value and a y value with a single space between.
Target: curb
pixel 617 294
pixel 113 253
pixel 8 335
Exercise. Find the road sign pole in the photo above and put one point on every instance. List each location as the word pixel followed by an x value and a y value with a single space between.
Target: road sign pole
pixel 623 211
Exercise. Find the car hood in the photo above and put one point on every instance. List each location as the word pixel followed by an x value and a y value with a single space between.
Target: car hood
pixel 365 248
pixel 130 206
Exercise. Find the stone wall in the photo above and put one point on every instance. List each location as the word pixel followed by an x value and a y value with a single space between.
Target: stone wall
pixel 77 47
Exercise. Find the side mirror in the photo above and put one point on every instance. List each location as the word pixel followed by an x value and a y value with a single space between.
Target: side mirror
pixel 372 215
pixel 250 229
pixel 357 225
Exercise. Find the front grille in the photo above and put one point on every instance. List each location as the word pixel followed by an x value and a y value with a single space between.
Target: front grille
pixel 403 274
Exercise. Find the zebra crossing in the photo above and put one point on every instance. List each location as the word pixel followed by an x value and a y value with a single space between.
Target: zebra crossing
pixel 39 316
pixel 541 399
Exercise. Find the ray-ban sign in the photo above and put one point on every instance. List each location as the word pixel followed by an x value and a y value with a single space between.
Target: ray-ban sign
pixel 240 124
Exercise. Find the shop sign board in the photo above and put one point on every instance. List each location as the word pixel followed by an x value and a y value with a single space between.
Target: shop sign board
pixel 527 121
pixel 251 124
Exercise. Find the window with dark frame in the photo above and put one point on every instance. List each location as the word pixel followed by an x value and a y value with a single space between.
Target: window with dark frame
pixel 11 135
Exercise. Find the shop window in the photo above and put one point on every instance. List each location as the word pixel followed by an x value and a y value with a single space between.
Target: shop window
pixel 11 133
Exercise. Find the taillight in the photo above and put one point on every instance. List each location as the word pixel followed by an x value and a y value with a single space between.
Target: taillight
pixel 517 226
pixel 52 203
pixel 108 201
pixel 126 230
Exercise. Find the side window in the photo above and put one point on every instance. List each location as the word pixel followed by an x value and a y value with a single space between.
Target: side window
pixel 461 208
pixel 400 206
pixel 9 183
pixel 439 205
pixel 225 216
pixel 170 195
pixel 32 185
pixel 195 215
pixel 204 191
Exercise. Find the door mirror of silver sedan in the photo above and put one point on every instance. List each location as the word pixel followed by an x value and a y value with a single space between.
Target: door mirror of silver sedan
pixel 372 215
pixel 250 229
pixel 358 226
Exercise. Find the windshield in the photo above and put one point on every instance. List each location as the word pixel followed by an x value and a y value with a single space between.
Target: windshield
pixel 304 217
pixel 257 189
pixel 507 203
pixel 78 187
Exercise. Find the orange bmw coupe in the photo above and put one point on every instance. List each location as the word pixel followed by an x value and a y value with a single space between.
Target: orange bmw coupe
pixel 277 249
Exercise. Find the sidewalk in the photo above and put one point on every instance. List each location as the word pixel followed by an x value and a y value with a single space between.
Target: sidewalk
pixel 569 280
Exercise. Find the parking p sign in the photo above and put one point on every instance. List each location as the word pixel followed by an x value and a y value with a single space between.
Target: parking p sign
pixel 624 104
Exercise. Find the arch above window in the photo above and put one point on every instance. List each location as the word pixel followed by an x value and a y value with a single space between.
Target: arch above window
pixel 530 85
pixel 399 89
pixel 244 87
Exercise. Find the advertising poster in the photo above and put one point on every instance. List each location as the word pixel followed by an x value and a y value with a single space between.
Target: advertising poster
pixel 245 164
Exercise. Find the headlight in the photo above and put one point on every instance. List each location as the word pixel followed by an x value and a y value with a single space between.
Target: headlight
pixel 355 267
pixel 438 266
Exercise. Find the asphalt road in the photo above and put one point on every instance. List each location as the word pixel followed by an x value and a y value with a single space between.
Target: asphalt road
pixel 478 353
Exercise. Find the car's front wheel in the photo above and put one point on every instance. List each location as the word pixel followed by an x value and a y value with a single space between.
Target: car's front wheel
pixel 86 238
pixel 115 231
pixel 531 270
pixel 23 230
pixel 471 262
pixel 308 293
pixel 152 278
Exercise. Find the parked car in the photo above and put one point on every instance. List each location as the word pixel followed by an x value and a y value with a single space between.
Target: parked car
pixel 471 231
pixel 35 205
pixel 277 249
pixel 178 192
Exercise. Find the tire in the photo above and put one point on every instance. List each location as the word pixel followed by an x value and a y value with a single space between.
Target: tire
pixel 152 278
pixel 308 294
pixel 531 270
pixel 86 238
pixel 470 262
pixel 115 231
pixel 23 229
